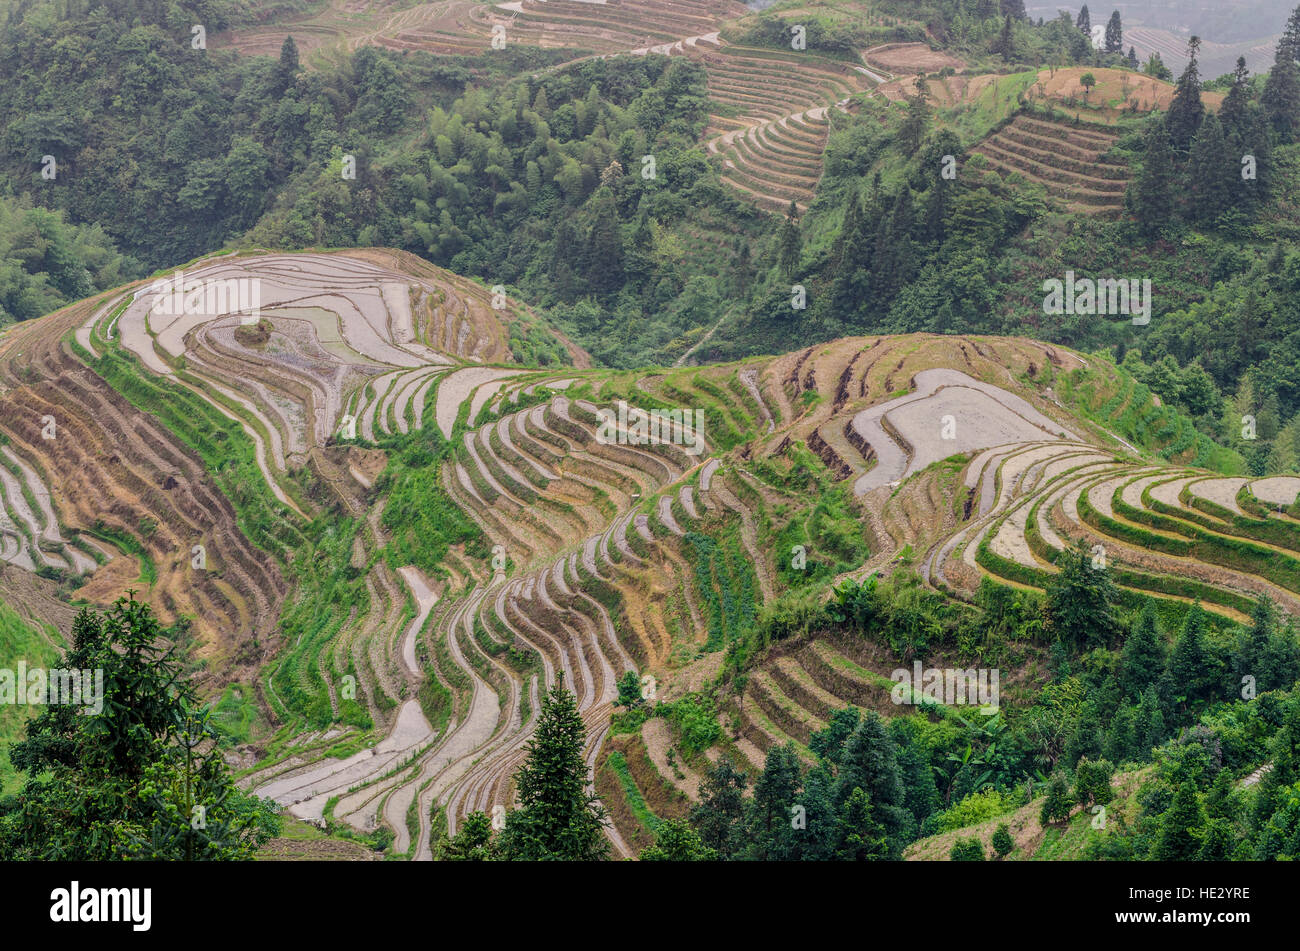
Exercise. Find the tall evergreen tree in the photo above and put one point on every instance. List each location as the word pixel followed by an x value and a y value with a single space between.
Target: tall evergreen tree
pixel 1210 173
pixel 557 817
pixel 1084 21
pixel 1191 665
pixel 789 243
pixel 1114 34
pixel 1178 840
pixel 719 815
pixel 862 837
pixel 1080 599
pixel 871 762
pixel 1143 657
pixel 1281 96
pixel 1133 59
pixel 1151 195
pixel 1186 110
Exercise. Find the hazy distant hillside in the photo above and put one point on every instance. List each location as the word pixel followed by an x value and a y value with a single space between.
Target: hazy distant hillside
pixel 1230 28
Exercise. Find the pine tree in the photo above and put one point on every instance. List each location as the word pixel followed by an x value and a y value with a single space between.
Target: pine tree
pixel 1233 114
pixel 719 815
pixel 1002 842
pixel 1210 171
pixel 287 70
pixel 1143 657
pixel 676 841
pixel 1056 807
pixel 1186 110
pixel 1133 59
pixel 1084 22
pixel 1190 664
pixel 1121 738
pixel 1005 45
pixel 557 817
pixel 1149 724
pixel 1281 96
pixel 1079 600
pixel 1178 841
pixel 775 792
pixel 1151 195
pixel 1114 34
pixel 861 837
pixel 1086 739
pixel 789 243
pixel 967 850
pixel 870 761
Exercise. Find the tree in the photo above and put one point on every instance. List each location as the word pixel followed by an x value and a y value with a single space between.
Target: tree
pixel 1092 782
pixel 1210 173
pixel 1114 34
pixel 789 243
pixel 557 817
pixel 473 842
pixel 967 850
pixel 676 841
pixel 629 690
pixel 775 791
pixel 1186 110
pixel 1005 45
pixel 870 762
pixel 1234 113
pixel 1281 96
pixel 1178 840
pixel 1151 196
pixel 861 837
pixel 1056 807
pixel 1002 842
pixel 1133 59
pixel 287 69
pixel 1087 81
pixel 912 132
pixel 1084 22
pixel 1191 665
pixel 142 778
pixel 1156 68
pixel 1143 657
pixel 1080 598
pixel 1149 724
pixel 719 815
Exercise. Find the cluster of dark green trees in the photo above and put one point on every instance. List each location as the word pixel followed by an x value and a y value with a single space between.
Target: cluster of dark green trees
pixel 143 778
pixel 1119 695
pixel 1200 166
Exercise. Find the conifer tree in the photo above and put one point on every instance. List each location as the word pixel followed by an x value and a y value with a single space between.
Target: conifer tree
pixel 1210 171
pixel 1186 110
pixel 1143 657
pixel 1151 195
pixel 557 817
pixel 1114 34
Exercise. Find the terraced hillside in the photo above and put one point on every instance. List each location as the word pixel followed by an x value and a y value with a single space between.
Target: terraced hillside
pixel 1068 161
pixel 459 27
pixel 409 536
pixel 770 120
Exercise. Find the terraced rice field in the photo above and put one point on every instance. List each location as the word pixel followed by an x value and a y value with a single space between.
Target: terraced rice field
pixel 410 689
pixel 773 122
pixel 1068 161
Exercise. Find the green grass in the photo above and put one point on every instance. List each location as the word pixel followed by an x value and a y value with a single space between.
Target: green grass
pixel 635 801
pixel 19 641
